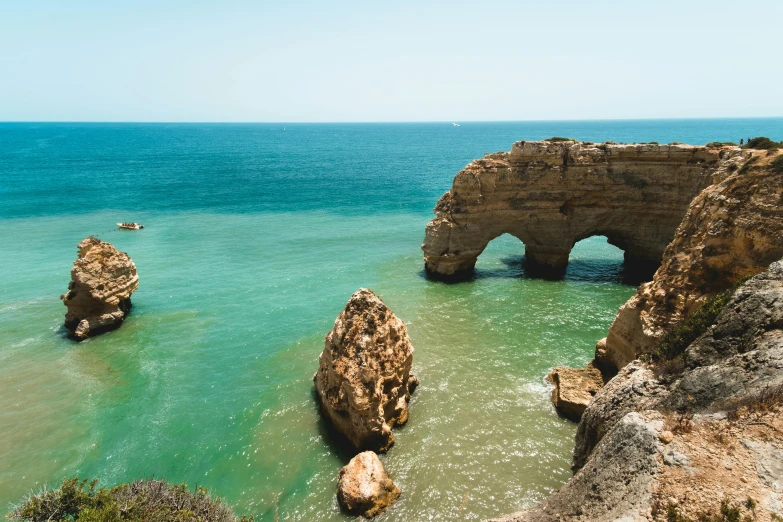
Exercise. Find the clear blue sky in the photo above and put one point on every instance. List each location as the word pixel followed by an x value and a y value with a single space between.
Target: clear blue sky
pixel 80 60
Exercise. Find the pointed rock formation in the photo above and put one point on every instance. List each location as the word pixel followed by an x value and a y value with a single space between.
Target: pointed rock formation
pixel 364 377
pixel 364 488
pixel 102 281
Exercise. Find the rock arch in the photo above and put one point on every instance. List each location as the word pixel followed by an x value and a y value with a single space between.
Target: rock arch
pixel 551 194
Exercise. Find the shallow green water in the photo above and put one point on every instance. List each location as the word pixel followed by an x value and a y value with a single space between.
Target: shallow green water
pixel 209 381
pixel 255 239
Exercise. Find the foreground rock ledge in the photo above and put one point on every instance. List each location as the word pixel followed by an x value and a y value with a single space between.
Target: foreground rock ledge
pixel 364 488
pixel 364 379
pixel 98 297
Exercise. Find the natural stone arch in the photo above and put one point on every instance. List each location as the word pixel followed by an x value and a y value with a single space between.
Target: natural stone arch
pixel 552 194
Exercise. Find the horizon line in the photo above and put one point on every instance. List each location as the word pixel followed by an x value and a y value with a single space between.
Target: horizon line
pixel 332 122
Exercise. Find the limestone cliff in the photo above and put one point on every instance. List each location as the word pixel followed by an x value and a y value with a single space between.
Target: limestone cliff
pixel 364 377
pixel 99 294
pixel 652 445
pixel 551 194
pixel 732 229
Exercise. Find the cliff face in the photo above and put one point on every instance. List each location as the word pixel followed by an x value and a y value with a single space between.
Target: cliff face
pixel 731 230
pixel 651 442
pixel 364 378
pixel 102 281
pixel 552 194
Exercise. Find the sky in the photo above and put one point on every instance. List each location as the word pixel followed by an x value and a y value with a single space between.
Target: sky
pixel 292 61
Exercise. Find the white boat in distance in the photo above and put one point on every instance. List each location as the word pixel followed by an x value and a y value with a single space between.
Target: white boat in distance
pixel 455 124
pixel 130 226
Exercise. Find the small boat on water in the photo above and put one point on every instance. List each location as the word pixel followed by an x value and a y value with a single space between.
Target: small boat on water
pixel 130 226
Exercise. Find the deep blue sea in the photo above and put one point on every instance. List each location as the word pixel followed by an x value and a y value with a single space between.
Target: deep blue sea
pixel 256 235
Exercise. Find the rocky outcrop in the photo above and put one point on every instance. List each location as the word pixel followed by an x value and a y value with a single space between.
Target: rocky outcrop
pixel 574 389
pixel 622 446
pixel 731 230
pixel 364 488
pixel 551 194
pixel 99 294
pixel 364 377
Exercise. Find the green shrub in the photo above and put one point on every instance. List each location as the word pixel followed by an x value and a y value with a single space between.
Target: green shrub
pixel 777 165
pixel 721 144
pixel 140 501
pixel 558 138
pixel 762 143
pixel 676 340
pixel 746 166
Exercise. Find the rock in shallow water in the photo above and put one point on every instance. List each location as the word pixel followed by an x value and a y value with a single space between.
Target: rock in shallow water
pixel 574 389
pixel 364 377
pixel 102 281
pixel 364 488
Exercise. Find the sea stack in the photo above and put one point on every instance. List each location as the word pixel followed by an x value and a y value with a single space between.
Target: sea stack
pixel 98 297
pixel 364 488
pixel 364 378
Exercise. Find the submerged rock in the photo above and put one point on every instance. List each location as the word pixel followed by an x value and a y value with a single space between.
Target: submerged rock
pixel 98 297
pixel 364 488
pixel 364 378
pixel 574 389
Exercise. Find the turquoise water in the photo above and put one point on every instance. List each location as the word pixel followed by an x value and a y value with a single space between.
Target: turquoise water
pixel 255 239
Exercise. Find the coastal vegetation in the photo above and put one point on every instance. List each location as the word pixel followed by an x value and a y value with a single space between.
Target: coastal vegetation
pixel 762 143
pixel 140 501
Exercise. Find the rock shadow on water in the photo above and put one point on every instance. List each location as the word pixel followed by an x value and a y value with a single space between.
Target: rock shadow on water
pixel 578 270
pixel 339 443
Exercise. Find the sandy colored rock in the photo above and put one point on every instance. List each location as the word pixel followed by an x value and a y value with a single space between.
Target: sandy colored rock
pixel 99 294
pixel 551 194
pixel 574 389
pixel 364 488
pixel 364 377
pixel 731 230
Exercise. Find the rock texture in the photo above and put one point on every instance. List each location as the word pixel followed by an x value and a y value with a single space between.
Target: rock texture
pixel 622 446
pixel 574 389
pixel 551 194
pixel 364 488
pixel 732 229
pixel 99 294
pixel 364 377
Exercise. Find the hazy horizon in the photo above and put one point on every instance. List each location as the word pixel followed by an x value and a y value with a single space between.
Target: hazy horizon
pixel 349 62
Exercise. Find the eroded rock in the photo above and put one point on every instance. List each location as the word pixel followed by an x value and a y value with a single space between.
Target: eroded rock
pixel 364 488
pixel 551 194
pixel 364 377
pixel 731 230
pixel 574 389
pixel 99 294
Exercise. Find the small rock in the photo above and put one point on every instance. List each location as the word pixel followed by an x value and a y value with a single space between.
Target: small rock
pixel 364 488
pixel 673 501
pixel 666 436
pixel 574 389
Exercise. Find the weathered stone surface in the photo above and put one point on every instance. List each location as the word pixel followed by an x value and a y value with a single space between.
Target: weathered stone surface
pixel 621 442
pixel 731 230
pixel 364 488
pixel 364 377
pixel 552 194
pixel 574 389
pixel 618 483
pixel 98 297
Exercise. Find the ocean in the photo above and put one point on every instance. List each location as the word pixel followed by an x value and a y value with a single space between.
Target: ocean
pixel 255 238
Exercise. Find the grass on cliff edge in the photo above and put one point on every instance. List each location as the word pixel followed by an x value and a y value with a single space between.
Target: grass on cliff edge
pixel 140 501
